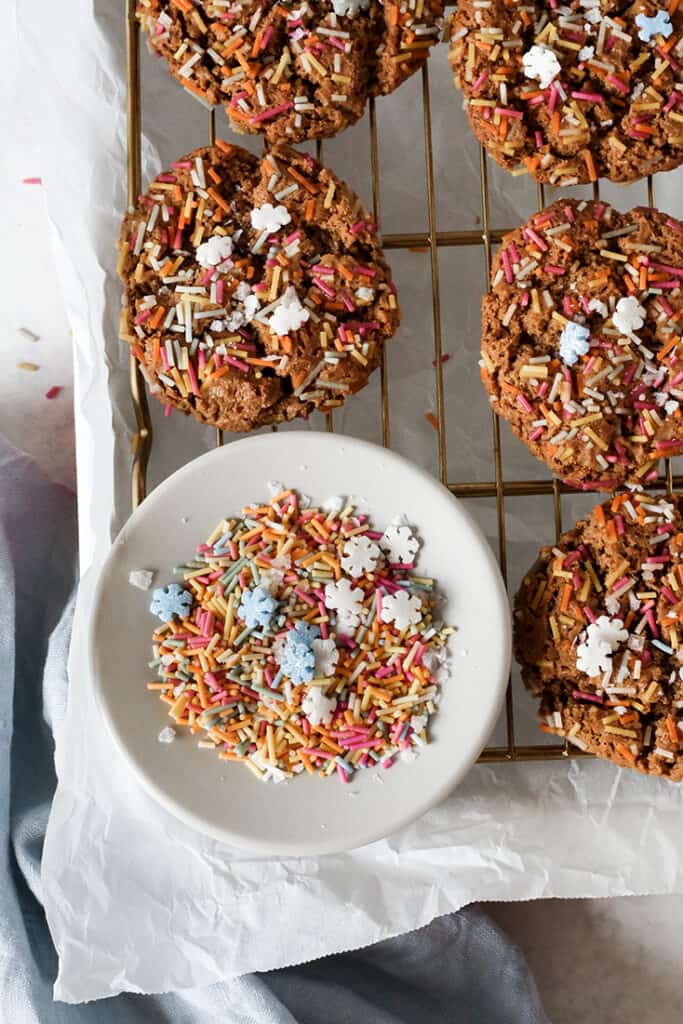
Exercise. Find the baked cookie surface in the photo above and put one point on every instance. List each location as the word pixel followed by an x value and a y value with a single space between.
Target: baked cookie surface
pixel 581 342
pixel 255 289
pixel 575 91
pixel 293 69
pixel 598 627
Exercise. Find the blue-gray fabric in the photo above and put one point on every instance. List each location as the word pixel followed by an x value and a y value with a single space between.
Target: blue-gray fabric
pixel 459 969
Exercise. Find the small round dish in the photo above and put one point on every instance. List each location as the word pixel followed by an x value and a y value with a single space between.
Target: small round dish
pixel 308 814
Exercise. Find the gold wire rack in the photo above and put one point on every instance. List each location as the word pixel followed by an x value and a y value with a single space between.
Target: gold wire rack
pixel 428 242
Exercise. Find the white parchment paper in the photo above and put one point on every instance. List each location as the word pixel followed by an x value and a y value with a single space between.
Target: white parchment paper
pixel 135 900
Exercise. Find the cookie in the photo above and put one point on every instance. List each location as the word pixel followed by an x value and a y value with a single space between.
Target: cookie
pixel 255 289
pixel 581 342
pixel 598 632
pixel 575 91
pixel 291 69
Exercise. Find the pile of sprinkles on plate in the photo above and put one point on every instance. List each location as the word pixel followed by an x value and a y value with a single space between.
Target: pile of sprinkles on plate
pixel 301 639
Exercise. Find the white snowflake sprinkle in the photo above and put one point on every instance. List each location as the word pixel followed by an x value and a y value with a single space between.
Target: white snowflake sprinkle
pixel 215 251
pixel 317 707
pixel 402 608
pixel 289 315
pixel 629 316
pixel 602 638
pixel 347 601
pixel 360 555
pixel 400 544
pixel 326 658
pixel 541 63
pixel 269 218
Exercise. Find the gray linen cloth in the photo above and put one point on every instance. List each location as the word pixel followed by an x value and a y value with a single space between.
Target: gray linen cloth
pixel 459 969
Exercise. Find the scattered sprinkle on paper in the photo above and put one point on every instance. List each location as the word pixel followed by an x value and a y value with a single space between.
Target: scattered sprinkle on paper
pixel 32 181
pixel 30 367
pixel 53 391
pixel 28 334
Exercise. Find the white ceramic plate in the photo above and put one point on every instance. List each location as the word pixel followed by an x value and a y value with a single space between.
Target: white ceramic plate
pixel 306 815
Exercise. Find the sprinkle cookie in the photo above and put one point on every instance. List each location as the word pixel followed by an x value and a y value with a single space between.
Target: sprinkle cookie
pixel 295 69
pixel 581 340
pixel 575 91
pixel 255 289
pixel 301 640
pixel 599 632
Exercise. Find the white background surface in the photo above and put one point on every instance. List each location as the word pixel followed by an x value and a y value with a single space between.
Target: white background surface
pixel 595 960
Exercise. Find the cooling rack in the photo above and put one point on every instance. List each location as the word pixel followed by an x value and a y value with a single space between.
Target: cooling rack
pixel 428 243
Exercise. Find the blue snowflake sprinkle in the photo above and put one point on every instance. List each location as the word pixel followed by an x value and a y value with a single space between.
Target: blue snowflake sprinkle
pixel 257 607
pixel 298 662
pixel 573 342
pixel 303 633
pixel 659 25
pixel 171 602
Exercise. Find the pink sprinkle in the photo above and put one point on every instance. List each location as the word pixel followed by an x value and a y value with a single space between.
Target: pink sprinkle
pixel 617 83
pixel 669 444
pixel 272 112
pixel 324 288
pixel 311 752
pixel 237 363
pixel 193 377
pixel 588 613
pixel 480 81
pixel 535 238
pixel 536 433
pixel 304 596
pixel 551 269
pixel 508 112
pixel 32 181
pixel 168 409
pixel 53 391
pixel 525 403
pixel 582 695
pixel 589 97
pixel 507 269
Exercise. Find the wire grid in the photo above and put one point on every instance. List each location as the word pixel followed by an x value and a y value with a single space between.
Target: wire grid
pixel 429 242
